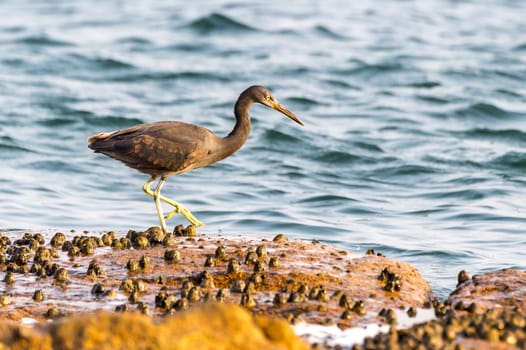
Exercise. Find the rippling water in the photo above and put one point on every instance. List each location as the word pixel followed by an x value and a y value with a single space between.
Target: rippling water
pixel 415 113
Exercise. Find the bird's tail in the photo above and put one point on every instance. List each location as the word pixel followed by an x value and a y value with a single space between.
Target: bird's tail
pixel 98 142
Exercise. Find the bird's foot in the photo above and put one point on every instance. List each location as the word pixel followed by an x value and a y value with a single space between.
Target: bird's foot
pixel 186 213
pixel 171 214
pixel 165 229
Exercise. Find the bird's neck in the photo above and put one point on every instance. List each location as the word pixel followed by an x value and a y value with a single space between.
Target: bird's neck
pixel 239 134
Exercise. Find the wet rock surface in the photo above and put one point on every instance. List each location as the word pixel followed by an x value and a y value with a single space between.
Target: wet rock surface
pixel 140 283
pixel 159 276
pixel 487 311
pixel 504 289
pixel 486 330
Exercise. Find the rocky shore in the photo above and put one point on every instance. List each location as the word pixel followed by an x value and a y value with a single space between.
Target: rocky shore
pixel 184 291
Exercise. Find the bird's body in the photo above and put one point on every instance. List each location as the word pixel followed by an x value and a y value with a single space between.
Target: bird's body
pixel 166 148
pixel 155 148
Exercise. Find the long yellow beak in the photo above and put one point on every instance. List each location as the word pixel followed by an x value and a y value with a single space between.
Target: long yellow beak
pixel 278 107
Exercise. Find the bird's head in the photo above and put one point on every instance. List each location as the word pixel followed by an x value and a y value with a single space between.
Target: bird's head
pixel 262 95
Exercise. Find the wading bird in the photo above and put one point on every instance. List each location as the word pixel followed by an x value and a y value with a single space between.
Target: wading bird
pixel 166 148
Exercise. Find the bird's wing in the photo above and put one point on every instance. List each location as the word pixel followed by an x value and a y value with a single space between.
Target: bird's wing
pixel 162 154
pixel 156 148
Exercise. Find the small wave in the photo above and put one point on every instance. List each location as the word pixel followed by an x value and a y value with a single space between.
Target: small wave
pixel 482 216
pixel 295 175
pixel 509 161
pixel 111 63
pixel 511 75
pixel 217 22
pixel 80 66
pixel 328 33
pixel 368 146
pixel 433 99
pixel 405 170
pixel 10 148
pixel 425 212
pixel 364 68
pixel 304 101
pixel 98 63
pixel 337 157
pixel 424 84
pixel 508 93
pixel 42 40
pixel 483 110
pixel 384 73
pixel 134 40
pixel 452 162
pixel 325 198
pixel 357 211
pixel 273 135
pixel 293 71
pixel 14 62
pixel 162 76
pixel 13 29
pixel 112 121
pixel 467 194
pixel 449 254
pixel 62 113
pixel 341 84
pixel 192 47
pixel 56 122
pixel 466 180
pixel 507 135
pixel 56 166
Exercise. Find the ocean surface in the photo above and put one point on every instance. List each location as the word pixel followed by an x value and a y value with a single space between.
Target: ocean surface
pixel 415 121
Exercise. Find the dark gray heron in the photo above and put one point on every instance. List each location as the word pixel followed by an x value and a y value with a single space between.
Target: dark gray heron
pixel 166 148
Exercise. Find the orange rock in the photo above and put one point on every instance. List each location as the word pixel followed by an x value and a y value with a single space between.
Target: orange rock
pixel 312 278
pixel 207 326
pixel 504 289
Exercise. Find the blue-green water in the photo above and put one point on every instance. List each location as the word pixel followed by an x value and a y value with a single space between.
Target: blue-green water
pixel 415 113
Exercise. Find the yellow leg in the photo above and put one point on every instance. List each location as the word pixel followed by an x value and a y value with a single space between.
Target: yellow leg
pixel 179 209
pixel 157 201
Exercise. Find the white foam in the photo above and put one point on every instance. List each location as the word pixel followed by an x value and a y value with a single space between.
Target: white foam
pixel 334 336
pixel 345 338
pixel 28 321
pixel 422 315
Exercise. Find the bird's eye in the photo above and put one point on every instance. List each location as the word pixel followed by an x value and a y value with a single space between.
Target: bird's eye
pixel 268 98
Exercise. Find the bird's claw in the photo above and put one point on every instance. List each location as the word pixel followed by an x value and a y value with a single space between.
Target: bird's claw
pixel 170 214
pixel 186 213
